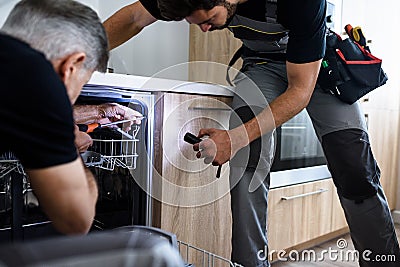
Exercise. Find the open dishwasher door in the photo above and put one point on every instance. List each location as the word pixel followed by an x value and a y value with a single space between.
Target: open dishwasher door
pixel 124 174
pixel 137 246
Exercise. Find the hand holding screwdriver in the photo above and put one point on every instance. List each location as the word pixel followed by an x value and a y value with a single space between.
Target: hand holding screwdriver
pixel 192 139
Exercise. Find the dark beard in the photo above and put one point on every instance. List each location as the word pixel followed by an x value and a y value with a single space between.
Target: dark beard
pixel 231 9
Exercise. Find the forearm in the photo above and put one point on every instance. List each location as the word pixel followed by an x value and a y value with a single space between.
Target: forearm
pixel 92 186
pixel 67 193
pixel 301 84
pixel 119 28
pixel 82 217
pixel 87 209
pixel 283 108
pixel 126 23
pixel 86 114
pixel 222 145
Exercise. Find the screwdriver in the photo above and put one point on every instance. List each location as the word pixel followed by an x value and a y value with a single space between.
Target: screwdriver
pixel 88 128
pixel 192 139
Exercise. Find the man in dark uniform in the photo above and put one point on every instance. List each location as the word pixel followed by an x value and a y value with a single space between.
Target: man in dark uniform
pixel 283 44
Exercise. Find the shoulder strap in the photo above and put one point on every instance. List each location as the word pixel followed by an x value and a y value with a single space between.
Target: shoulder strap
pixel 232 62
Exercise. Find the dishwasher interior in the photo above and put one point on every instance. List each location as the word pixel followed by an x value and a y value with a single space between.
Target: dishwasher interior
pixel 120 162
pixel 123 162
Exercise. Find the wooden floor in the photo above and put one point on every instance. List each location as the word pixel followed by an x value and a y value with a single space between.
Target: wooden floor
pixel 327 262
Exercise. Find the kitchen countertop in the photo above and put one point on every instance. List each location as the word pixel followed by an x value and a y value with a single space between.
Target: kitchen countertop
pixel 150 84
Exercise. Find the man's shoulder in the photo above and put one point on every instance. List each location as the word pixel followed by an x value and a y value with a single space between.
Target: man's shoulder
pixel 253 9
pixel 13 47
pixel 27 64
pixel 152 7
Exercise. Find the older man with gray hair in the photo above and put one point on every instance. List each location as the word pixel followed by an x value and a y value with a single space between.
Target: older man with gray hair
pixel 48 51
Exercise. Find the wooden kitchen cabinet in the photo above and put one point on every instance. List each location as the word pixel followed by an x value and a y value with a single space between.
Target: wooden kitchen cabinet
pixel 300 213
pixel 194 204
pixel 215 46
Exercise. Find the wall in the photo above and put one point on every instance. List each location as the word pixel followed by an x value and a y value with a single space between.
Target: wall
pixel 158 46
pixel 337 15
pixel 7 5
pixel 5 8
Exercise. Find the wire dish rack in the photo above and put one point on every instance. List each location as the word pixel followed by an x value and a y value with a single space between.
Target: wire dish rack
pixel 110 148
pixel 113 148
pixel 188 252
pixel 203 257
pixel 8 164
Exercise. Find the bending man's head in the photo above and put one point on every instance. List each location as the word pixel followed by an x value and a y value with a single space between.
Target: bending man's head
pixel 68 33
pixel 208 14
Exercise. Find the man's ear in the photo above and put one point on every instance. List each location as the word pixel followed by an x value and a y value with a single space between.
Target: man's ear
pixel 70 65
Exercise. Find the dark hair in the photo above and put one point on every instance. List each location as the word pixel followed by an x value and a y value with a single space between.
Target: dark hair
pixel 179 9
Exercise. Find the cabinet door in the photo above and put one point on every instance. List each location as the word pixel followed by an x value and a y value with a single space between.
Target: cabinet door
pixel 195 204
pixel 299 213
pixel 216 46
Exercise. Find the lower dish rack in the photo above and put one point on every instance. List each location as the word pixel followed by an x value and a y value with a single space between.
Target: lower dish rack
pixel 9 163
pixel 110 149
pixel 203 258
pixel 189 253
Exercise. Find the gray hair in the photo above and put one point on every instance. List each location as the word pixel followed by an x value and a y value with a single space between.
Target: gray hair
pixel 59 28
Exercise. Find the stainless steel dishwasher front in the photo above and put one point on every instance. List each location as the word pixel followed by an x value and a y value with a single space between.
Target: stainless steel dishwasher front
pixel 127 159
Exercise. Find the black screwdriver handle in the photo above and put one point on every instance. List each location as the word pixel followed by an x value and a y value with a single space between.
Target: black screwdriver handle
pixel 191 138
pixel 83 127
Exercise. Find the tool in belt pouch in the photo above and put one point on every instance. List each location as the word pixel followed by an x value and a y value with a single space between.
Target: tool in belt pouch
pixel 349 70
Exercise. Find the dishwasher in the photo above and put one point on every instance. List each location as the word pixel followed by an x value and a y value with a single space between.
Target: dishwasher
pixel 124 168
pixel 120 162
pixel 125 159
pixel 101 145
pixel 122 165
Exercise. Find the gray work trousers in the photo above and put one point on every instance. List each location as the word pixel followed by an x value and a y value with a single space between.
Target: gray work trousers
pixel 341 129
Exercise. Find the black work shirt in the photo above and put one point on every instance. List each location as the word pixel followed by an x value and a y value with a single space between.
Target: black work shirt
pixel 35 112
pixel 305 20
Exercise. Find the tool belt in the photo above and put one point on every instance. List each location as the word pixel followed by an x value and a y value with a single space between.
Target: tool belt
pixel 349 70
